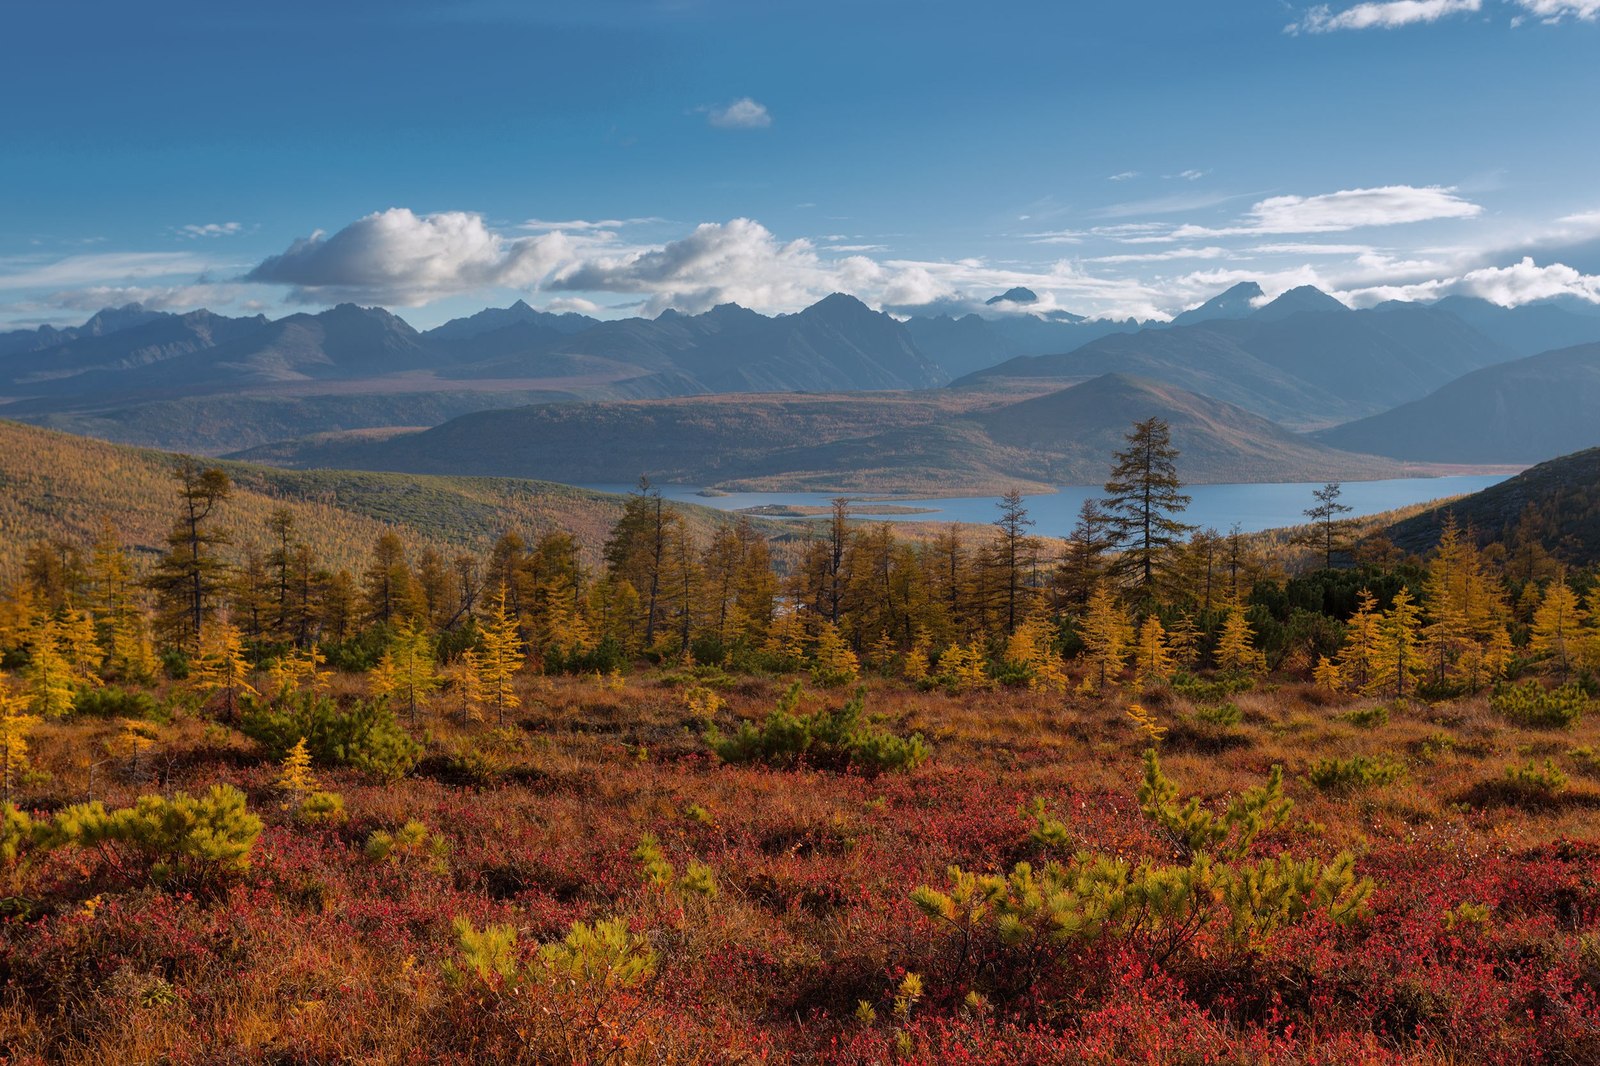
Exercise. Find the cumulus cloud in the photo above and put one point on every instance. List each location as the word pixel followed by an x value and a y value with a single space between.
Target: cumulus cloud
pixel 397 257
pixel 1385 16
pixel 742 114
pixel 719 262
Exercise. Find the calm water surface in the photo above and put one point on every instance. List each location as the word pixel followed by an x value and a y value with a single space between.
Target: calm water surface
pixel 1253 507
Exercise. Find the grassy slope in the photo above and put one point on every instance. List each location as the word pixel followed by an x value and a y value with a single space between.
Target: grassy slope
pixel 52 484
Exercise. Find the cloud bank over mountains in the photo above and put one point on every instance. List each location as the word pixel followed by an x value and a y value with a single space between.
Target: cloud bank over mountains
pixel 1397 241
pixel 401 258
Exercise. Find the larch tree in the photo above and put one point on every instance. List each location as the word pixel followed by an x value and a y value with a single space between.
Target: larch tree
pixel 1011 551
pixel 221 667
pixel 1557 624
pixel 414 667
pixel 15 725
pixel 1153 660
pixel 1328 528
pixel 1399 656
pixel 52 682
pixel 1084 563
pixel 500 659
pixel 1105 632
pixel 1236 650
pixel 1357 660
pixel 637 552
pixel 1143 500
pixel 191 575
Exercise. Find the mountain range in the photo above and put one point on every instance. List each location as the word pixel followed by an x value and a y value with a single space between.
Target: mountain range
pixel 926 442
pixel 1457 381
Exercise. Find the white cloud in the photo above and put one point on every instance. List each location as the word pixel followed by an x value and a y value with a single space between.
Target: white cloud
pixel 1508 286
pixel 1192 175
pixel 742 114
pixel 738 261
pixel 574 303
pixel 1552 11
pixel 396 257
pixel 1126 175
pixel 1346 209
pixel 1386 16
pixel 211 229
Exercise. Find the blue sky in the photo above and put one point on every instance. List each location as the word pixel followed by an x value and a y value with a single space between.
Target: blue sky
pixel 622 156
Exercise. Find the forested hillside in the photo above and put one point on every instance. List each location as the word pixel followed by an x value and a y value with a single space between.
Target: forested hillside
pixel 66 488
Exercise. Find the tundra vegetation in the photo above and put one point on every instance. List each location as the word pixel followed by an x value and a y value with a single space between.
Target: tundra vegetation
pixel 1161 796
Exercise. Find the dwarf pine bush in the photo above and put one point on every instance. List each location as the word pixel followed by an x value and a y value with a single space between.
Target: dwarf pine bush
pixel 321 808
pixel 1334 774
pixel 185 838
pixel 598 956
pixel 1531 704
pixel 1533 782
pixel 411 843
pixel 366 735
pixel 831 738
pixel 1153 906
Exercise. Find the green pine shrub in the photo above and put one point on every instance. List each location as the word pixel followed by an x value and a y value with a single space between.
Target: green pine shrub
pixel 841 738
pixel 366 736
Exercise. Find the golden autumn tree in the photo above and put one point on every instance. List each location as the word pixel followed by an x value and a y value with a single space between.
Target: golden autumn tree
pixel 1106 633
pixel 1357 660
pixel 499 660
pixel 15 725
pixel 1399 660
pixel 1557 624
pixel 220 667
pixel 1153 661
pixel 1236 650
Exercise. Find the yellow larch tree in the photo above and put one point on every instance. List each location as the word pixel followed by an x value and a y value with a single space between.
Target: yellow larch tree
pixel 1032 648
pixel 295 779
pixel 833 663
pixel 15 725
pixel 1357 660
pixel 1106 633
pixel 51 681
pixel 1153 660
pixel 1399 660
pixel 220 667
pixel 499 660
pixel 1236 650
pixel 1557 624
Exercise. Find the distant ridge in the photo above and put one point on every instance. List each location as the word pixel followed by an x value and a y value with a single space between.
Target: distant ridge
pixel 912 442
pixel 1518 412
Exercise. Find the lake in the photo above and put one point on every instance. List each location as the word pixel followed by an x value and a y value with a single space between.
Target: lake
pixel 1253 507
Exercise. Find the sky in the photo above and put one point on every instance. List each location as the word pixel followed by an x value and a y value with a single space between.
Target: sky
pixel 621 157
